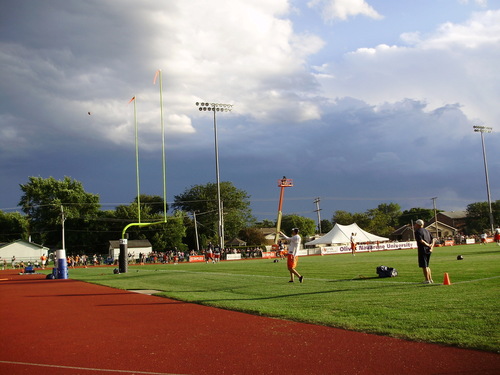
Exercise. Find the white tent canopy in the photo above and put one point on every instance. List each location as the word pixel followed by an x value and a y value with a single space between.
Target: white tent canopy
pixel 342 234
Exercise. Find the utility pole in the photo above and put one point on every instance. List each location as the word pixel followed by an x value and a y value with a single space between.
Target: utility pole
pixel 196 232
pixel 435 216
pixel 317 200
pixel 63 219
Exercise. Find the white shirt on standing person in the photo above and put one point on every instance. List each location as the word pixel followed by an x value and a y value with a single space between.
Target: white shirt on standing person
pixel 294 244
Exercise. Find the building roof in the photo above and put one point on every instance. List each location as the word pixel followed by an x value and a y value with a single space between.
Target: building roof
pixel 455 214
pixel 236 242
pixel 440 225
pixel 130 244
pixel 402 229
pixel 24 242
pixel 267 231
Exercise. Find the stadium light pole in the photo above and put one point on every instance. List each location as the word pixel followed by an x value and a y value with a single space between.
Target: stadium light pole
pixel 482 130
pixel 217 107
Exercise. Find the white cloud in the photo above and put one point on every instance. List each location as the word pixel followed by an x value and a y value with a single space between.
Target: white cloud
pixel 297 108
pixel 458 63
pixel 482 3
pixel 206 50
pixel 343 9
pixel 481 30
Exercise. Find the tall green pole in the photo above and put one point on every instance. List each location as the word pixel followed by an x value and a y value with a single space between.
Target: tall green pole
pixel 137 161
pixel 158 73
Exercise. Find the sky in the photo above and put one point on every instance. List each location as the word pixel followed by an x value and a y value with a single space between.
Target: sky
pixel 360 102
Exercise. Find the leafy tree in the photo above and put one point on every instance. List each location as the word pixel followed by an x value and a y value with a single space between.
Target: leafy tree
pixel 89 236
pixel 306 225
pixel 154 203
pixel 413 214
pixel 362 219
pixel 478 216
pixel 252 236
pixel 202 199
pixel 384 219
pixel 326 226
pixel 13 226
pixel 265 224
pixel 346 218
pixel 44 200
pixel 163 236
pixel 342 218
pixel 169 235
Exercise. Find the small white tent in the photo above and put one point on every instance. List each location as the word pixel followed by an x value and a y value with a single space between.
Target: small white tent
pixel 342 234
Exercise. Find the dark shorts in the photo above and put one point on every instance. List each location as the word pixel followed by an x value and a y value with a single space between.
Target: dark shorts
pixel 423 258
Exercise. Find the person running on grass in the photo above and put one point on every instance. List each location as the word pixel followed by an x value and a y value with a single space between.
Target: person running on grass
pixel 292 258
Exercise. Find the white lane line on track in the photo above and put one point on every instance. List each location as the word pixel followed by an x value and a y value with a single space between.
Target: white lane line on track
pixel 85 368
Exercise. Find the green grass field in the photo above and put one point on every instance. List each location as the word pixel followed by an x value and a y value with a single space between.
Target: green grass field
pixel 344 291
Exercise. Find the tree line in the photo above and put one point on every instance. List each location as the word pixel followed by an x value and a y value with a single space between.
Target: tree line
pixel 47 204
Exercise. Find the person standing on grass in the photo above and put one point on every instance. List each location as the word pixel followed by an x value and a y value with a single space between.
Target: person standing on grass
pixel 43 258
pixel 353 243
pixel 425 244
pixel 292 257
pixel 497 235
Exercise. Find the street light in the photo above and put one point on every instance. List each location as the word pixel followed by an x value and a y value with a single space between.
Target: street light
pixel 217 107
pixel 482 130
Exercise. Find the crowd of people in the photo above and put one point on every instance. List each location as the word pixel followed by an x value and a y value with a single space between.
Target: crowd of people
pixel 210 253
pixel 84 260
pixel 482 238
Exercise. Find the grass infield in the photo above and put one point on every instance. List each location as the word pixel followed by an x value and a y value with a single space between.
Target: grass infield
pixel 344 291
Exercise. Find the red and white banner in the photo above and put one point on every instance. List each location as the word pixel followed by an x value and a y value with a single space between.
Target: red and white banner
pixel 369 247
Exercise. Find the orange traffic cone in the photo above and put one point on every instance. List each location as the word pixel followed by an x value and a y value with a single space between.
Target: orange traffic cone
pixel 446 279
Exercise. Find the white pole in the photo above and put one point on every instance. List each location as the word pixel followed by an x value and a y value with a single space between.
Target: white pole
pixel 63 219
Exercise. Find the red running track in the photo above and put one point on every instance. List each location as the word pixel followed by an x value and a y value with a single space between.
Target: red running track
pixel 71 327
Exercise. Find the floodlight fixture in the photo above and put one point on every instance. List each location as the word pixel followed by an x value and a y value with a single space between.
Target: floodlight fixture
pixel 482 129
